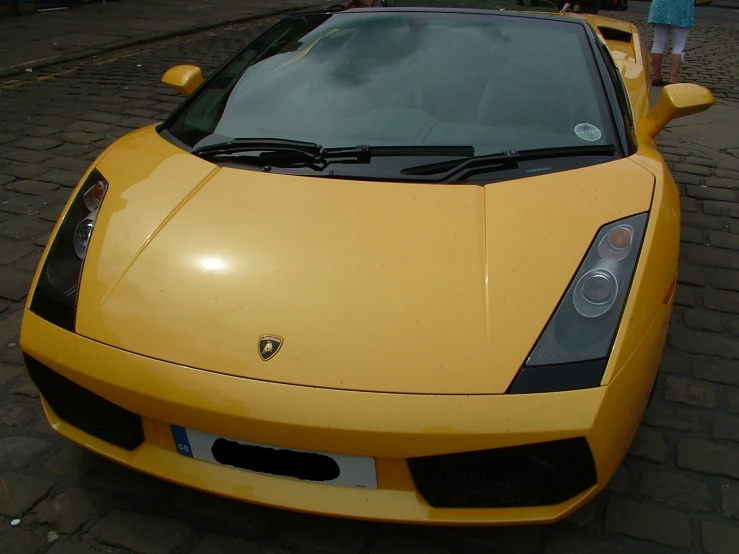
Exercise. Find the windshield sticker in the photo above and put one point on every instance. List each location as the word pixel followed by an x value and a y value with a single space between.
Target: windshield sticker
pixel 588 132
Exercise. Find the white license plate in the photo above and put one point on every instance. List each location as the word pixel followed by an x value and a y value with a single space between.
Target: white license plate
pixel 302 465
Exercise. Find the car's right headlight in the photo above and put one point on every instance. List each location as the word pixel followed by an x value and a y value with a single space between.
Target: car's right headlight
pixel 574 348
pixel 55 297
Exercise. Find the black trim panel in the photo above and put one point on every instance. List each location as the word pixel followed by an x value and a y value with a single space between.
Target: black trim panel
pixel 559 377
pixel 539 474
pixel 85 410
pixel 52 310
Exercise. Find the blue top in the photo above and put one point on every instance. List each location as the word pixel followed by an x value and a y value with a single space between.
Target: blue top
pixel 680 13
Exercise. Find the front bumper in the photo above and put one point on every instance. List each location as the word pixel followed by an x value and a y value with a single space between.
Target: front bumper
pixel 391 428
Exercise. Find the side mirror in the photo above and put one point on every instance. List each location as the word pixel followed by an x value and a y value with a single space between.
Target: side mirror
pixel 678 100
pixel 183 78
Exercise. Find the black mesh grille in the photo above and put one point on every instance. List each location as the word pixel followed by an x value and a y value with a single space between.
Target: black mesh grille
pixel 541 474
pixel 85 410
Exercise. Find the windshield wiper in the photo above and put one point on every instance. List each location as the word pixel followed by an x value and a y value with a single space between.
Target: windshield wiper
pixel 292 153
pixel 239 145
pixel 462 169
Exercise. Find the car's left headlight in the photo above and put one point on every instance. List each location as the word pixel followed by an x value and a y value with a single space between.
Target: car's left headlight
pixel 55 297
pixel 573 350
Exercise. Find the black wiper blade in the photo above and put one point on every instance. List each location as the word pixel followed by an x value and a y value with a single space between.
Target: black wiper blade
pixel 371 151
pixel 506 160
pixel 293 153
pixel 239 145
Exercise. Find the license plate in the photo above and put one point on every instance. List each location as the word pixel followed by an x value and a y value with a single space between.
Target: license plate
pixel 301 465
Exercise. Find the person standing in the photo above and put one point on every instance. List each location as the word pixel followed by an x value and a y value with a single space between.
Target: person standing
pixel 678 17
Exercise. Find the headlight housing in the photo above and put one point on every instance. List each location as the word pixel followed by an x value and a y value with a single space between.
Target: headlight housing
pixel 573 350
pixel 55 297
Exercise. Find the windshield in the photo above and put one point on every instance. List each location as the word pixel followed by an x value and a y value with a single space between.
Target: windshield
pixel 408 78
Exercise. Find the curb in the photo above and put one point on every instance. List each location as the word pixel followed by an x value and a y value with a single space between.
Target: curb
pixel 20 69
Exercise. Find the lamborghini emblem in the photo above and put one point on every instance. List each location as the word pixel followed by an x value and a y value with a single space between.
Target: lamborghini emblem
pixel 269 345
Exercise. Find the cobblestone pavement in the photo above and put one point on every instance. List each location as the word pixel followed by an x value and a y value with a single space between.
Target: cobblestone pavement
pixel 677 491
pixel 44 38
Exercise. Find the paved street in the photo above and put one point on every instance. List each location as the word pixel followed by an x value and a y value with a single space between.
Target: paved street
pixel 677 492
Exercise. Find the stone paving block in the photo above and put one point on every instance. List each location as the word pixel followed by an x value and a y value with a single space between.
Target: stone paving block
pixel 20 451
pixel 20 541
pixel 705 456
pixel 36 143
pixel 704 320
pixel 730 500
pixel 709 256
pixel 18 414
pixel 692 169
pixel 21 204
pixel 23 228
pixel 89 127
pixel 721 300
pixel 212 544
pixel 61 177
pixel 118 479
pixel 29 262
pixel 72 462
pixel 23 386
pixel 677 490
pixel 19 493
pixel 692 235
pixel 722 182
pixel 26 170
pixel 724 240
pixel 68 163
pixel 717 371
pixel 647 521
pixel 12 356
pixel 24 161
pixel 726 426
pixel 687 296
pixel 399 542
pixel 732 399
pixel 711 193
pixel 564 542
pixel 705 162
pixel 8 372
pixel 620 481
pixel 719 538
pixel 701 342
pixel 70 150
pixel 10 328
pixel 36 188
pixel 715 207
pixel 68 511
pixel 41 131
pixel 14 284
pixel 99 117
pixel 649 444
pixel 330 536
pixel 72 548
pixel 244 518
pixel 511 540
pixel 78 137
pixel 703 221
pixel 11 250
pixel 141 534
pixel 690 392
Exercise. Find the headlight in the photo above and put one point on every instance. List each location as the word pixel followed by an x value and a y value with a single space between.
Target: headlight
pixel 55 297
pixel 574 348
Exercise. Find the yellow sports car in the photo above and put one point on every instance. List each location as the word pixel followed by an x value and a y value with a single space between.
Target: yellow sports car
pixel 393 264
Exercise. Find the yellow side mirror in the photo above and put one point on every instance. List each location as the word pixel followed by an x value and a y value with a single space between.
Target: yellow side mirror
pixel 183 78
pixel 678 100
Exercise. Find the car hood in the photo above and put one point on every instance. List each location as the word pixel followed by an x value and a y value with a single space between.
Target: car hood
pixel 374 286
